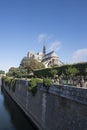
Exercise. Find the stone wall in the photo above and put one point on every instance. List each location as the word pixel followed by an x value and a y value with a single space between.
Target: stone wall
pixel 61 108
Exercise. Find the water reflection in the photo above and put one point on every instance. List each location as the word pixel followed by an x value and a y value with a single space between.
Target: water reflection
pixel 11 116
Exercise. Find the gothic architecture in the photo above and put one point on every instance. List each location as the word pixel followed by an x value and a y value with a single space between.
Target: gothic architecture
pixel 48 59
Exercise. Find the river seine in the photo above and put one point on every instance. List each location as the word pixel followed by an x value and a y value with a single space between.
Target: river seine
pixel 11 116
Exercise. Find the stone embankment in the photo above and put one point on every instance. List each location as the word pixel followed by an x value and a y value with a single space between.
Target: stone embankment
pixel 61 108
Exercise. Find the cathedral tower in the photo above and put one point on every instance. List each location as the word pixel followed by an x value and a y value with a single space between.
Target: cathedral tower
pixel 44 50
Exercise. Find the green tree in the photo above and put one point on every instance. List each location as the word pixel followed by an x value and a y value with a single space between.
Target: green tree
pixel 71 71
pixel 2 72
pixel 16 72
pixel 31 64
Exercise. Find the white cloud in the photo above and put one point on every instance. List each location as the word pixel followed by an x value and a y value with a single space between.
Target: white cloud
pixel 79 56
pixel 42 37
pixel 55 46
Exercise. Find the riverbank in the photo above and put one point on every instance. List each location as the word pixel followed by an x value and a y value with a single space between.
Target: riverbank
pixel 48 110
pixel 11 116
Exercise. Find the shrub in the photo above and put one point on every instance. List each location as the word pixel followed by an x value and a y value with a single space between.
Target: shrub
pixel 7 81
pixel 33 83
pixel 13 84
pixel 47 83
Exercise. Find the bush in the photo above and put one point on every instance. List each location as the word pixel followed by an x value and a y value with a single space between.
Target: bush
pixel 13 84
pixel 47 83
pixel 79 67
pixel 10 82
pixel 33 83
pixel 7 81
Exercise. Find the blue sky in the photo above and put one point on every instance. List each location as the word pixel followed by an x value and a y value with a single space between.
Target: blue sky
pixel 25 24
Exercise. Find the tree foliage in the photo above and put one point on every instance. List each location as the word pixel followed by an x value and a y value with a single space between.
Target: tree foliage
pixel 67 70
pixel 2 72
pixel 33 84
pixel 31 64
pixel 72 71
pixel 16 72
pixel 47 83
pixel 85 70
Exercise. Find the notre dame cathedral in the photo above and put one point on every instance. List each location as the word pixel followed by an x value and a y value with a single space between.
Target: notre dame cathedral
pixel 48 59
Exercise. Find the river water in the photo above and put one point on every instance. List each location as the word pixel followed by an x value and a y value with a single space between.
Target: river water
pixel 11 116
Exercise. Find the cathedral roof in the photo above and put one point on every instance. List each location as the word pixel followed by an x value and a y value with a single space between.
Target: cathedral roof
pixel 50 54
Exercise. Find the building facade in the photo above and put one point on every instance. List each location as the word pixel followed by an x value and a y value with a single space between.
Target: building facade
pixel 48 59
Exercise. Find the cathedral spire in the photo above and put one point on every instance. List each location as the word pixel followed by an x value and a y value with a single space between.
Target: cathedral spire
pixel 44 49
